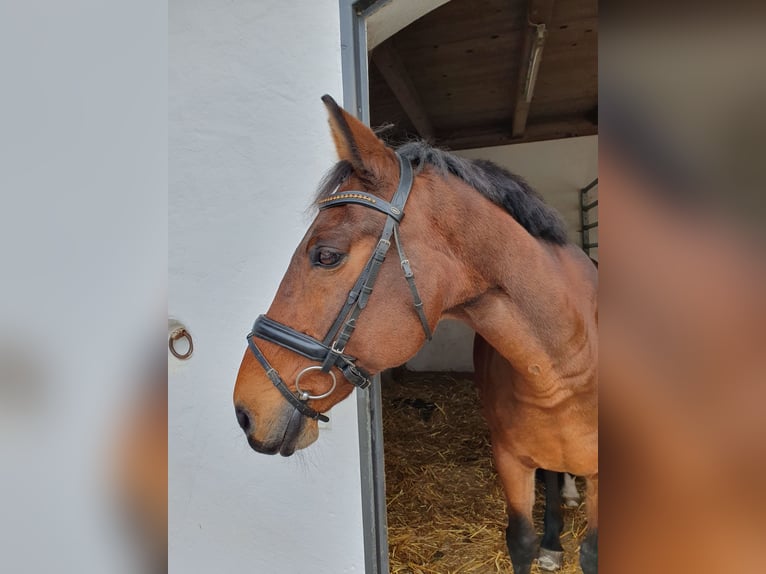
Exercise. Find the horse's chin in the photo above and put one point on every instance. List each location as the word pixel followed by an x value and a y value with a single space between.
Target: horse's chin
pixel 299 434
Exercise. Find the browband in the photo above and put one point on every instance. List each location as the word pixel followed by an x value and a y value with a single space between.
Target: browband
pixel 362 198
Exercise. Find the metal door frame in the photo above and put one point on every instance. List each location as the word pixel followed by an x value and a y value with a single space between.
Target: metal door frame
pixel 353 37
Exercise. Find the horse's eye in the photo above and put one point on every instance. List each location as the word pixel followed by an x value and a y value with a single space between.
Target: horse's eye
pixel 326 257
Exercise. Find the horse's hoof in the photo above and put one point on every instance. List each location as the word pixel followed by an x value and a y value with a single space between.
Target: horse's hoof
pixel 550 560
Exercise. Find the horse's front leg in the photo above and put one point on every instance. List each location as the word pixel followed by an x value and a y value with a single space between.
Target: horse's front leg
pixel 589 546
pixel 519 485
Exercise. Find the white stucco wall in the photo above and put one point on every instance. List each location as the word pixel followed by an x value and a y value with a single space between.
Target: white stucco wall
pixel 248 141
pixel 558 169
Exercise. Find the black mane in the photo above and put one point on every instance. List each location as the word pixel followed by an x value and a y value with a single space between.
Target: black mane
pixel 497 184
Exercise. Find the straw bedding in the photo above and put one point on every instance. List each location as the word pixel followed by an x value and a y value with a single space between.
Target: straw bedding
pixel 446 511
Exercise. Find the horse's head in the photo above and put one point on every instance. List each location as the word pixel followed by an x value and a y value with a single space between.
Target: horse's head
pixel 349 337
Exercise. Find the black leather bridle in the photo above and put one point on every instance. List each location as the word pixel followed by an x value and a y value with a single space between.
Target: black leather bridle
pixel 329 352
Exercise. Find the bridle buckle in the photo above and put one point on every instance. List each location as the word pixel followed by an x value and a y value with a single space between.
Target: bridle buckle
pixel 334 348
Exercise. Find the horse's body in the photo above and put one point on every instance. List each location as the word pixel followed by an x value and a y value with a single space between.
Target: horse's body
pixel 484 249
pixel 540 398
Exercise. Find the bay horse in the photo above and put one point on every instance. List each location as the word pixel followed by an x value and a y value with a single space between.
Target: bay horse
pixel 481 247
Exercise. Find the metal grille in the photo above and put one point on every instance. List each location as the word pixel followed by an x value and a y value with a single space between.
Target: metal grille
pixel 589 219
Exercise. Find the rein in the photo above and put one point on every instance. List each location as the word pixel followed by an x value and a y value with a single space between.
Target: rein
pixel 330 352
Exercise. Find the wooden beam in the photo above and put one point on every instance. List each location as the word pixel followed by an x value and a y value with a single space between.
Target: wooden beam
pixel 391 67
pixel 539 12
pixel 550 130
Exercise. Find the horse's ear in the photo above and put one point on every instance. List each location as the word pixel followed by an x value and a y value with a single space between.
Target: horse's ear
pixel 355 142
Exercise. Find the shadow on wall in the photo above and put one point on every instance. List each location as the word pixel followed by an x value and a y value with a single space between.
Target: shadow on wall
pixel 451 349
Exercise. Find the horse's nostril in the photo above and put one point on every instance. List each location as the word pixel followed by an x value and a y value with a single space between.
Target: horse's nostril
pixel 243 419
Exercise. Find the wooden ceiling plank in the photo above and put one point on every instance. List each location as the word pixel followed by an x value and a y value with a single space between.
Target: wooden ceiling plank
pixel 391 67
pixel 540 12
pixel 461 20
pixel 554 129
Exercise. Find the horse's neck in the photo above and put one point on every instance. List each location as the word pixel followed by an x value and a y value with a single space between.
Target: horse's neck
pixel 535 304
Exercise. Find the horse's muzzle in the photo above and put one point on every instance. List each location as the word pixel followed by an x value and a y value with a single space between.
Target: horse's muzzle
pixel 284 443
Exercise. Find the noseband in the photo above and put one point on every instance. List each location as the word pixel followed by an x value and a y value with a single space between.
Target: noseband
pixel 329 352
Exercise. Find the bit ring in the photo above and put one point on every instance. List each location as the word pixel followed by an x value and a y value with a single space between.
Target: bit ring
pixel 303 395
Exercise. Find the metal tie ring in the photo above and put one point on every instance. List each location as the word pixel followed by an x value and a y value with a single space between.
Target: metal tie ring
pixel 303 395
pixel 175 336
